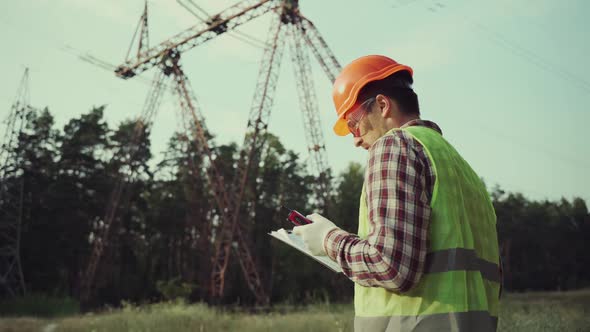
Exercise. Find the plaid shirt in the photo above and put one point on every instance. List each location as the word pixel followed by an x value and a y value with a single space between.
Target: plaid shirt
pixel 399 181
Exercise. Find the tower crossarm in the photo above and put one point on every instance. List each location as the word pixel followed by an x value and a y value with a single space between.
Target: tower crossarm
pixel 228 19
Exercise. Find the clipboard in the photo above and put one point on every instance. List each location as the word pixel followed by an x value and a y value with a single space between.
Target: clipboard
pixel 296 242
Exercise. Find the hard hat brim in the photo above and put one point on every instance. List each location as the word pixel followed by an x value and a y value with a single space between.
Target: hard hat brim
pixel 341 128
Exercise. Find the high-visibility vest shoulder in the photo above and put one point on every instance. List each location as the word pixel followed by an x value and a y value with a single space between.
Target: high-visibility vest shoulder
pixel 459 290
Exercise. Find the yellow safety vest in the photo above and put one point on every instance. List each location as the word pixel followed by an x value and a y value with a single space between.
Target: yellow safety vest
pixel 459 290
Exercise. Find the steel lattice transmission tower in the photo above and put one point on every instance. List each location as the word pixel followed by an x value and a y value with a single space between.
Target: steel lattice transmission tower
pixel 288 27
pixel 12 192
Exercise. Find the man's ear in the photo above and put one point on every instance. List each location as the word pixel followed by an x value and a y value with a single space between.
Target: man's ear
pixel 386 105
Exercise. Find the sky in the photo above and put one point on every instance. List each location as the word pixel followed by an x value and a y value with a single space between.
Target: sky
pixel 507 81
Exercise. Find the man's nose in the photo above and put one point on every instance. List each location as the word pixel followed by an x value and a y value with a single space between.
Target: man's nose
pixel 357 141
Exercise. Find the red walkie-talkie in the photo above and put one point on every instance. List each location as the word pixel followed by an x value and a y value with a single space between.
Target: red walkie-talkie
pixel 295 217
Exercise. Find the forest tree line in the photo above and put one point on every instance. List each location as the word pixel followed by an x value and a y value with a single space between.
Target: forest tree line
pixel 162 246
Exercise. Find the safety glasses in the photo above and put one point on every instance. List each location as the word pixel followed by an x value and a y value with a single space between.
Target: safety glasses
pixel 354 117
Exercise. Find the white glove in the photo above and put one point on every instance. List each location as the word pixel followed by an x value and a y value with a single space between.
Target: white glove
pixel 314 234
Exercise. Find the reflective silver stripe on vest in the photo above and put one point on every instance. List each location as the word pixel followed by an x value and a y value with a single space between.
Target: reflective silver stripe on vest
pixel 460 259
pixel 480 321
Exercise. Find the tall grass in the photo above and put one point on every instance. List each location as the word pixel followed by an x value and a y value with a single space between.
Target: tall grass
pixel 39 305
pixel 519 312
pixel 546 311
pixel 197 317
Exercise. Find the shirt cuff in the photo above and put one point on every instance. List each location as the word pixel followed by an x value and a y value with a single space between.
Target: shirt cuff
pixel 332 240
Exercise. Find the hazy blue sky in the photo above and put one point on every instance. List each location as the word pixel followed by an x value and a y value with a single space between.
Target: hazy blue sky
pixel 506 80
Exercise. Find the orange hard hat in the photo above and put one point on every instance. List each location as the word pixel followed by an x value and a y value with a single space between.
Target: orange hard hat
pixel 353 78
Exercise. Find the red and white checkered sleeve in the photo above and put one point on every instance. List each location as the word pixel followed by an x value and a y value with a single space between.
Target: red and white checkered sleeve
pixel 393 254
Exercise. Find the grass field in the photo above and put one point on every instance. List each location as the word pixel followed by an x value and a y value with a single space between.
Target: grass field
pixel 567 311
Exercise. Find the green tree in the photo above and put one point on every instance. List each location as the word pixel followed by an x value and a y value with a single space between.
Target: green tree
pixel 129 154
pixel 36 151
pixel 79 192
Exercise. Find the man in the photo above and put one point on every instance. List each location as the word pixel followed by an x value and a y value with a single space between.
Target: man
pixel 426 254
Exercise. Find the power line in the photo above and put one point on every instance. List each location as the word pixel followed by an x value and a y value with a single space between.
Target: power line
pixel 547 29
pixel 402 3
pixel 85 56
pixel 532 58
pixel 519 50
pixel 549 153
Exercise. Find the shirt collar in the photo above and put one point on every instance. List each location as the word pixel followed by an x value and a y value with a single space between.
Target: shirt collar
pixel 423 123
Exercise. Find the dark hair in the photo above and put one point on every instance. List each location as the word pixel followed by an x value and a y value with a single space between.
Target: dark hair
pixel 397 87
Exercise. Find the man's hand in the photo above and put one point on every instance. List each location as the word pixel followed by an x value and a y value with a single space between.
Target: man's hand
pixel 315 233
